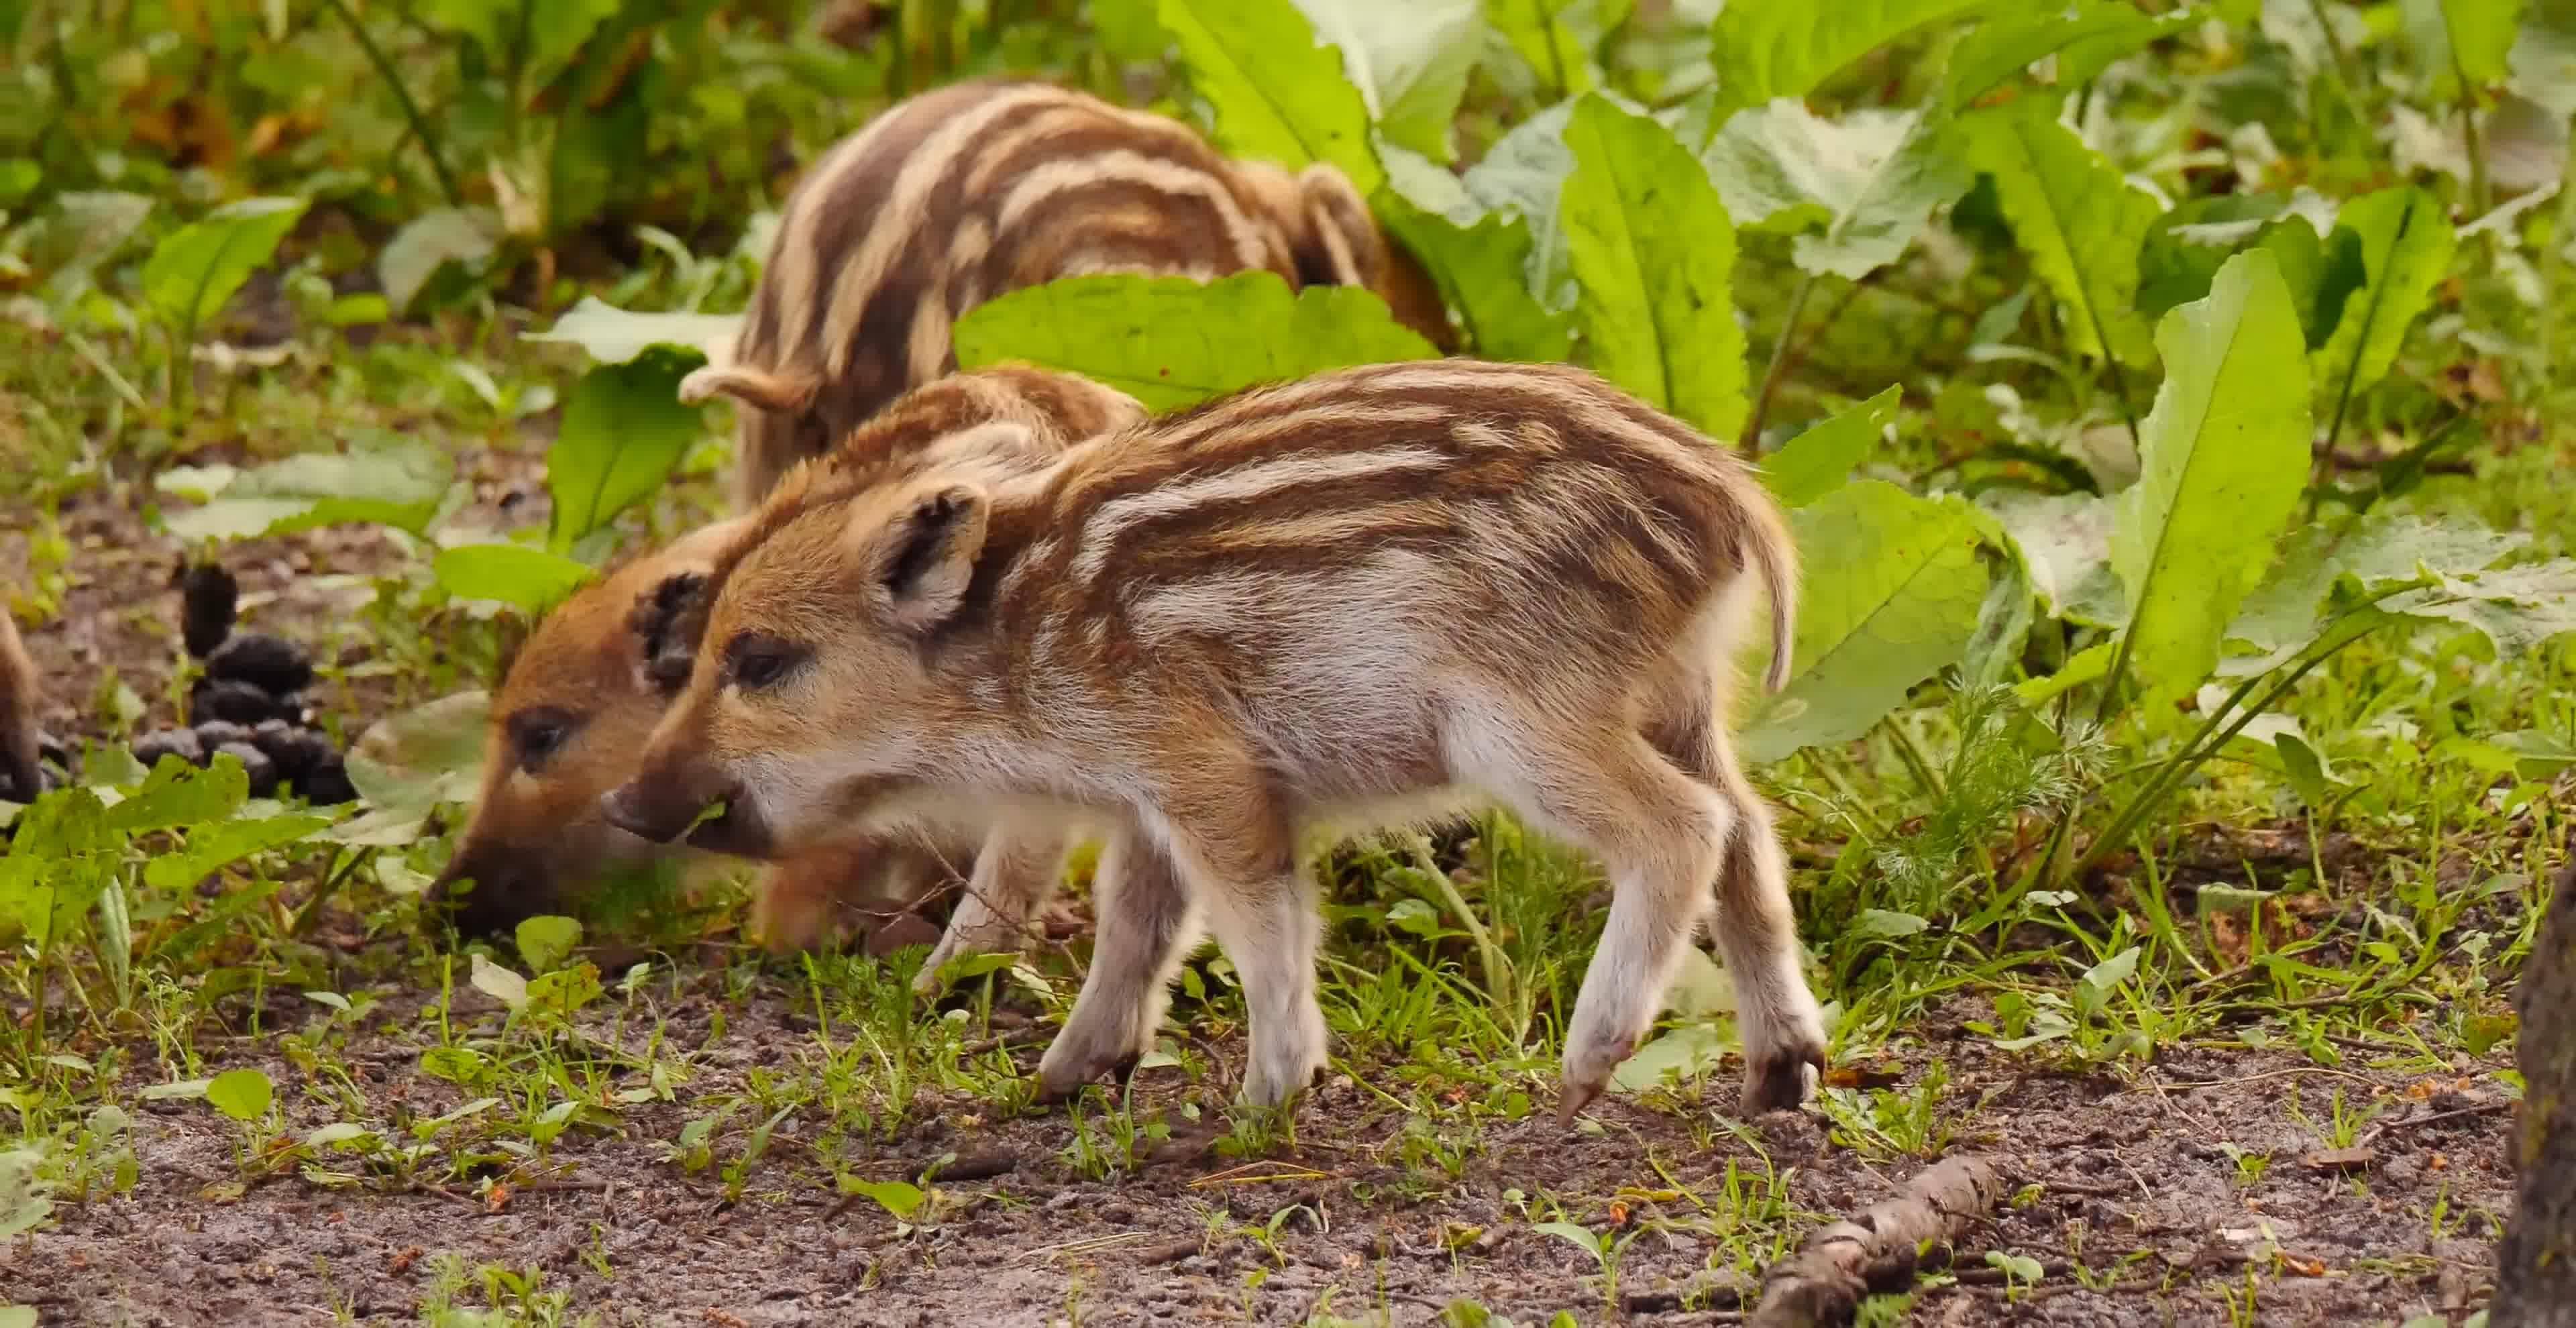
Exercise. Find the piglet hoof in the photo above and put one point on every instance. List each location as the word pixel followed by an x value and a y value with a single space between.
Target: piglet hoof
pixel 1588 1067
pixel 1060 1082
pixel 1279 1088
pixel 1572 1099
pixel 1781 1079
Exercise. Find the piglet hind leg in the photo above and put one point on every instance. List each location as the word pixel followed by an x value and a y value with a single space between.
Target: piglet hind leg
pixel 1660 835
pixel 1755 924
pixel 1147 923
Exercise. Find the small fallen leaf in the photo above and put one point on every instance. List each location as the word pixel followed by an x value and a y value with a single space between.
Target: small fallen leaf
pixel 2340 1159
pixel 1854 1076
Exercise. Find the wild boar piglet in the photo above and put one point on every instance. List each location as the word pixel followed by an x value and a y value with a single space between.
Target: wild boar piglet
pixel 1364 598
pixel 585 690
pixel 20 777
pixel 981 188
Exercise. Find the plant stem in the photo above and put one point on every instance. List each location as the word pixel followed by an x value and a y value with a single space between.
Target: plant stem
pixel 2335 69
pixel 1498 969
pixel 402 97
pixel 1853 805
pixel 81 346
pixel 2352 378
pixel 330 886
pixel 2480 196
pixel 2553 267
pixel 1750 445
pixel 1909 749
pixel 2211 737
pixel 2119 381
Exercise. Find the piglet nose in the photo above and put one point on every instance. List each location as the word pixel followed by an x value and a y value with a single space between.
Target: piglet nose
pixel 629 809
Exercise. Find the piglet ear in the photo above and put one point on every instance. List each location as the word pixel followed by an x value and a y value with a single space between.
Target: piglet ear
pixel 666 622
pixel 919 559
pixel 786 393
pixel 1341 243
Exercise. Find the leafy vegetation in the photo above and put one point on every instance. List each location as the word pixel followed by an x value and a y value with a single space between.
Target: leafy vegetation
pixel 2167 399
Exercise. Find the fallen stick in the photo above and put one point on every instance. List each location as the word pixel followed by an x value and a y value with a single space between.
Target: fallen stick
pixel 1877 1251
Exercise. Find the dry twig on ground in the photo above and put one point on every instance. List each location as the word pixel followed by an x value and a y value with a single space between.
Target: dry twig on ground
pixel 1879 1249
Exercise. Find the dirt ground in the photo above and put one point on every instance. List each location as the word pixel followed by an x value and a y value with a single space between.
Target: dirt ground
pixel 2129 1193
pixel 2103 1172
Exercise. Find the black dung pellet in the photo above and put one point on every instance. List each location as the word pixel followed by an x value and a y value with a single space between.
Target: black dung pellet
pixel 234 701
pixel 181 743
pixel 327 784
pixel 214 733
pixel 296 750
pixel 273 664
pixel 208 594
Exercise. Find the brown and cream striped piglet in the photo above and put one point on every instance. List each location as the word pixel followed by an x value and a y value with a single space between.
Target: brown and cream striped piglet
pixel 1359 599
pixel 20 777
pixel 981 188
pixel 585 691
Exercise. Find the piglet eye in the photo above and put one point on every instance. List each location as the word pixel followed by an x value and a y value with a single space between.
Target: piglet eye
pixel 537 734
pixel 754 661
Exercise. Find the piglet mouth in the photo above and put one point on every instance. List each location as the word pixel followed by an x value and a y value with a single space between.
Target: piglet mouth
pixel 733 828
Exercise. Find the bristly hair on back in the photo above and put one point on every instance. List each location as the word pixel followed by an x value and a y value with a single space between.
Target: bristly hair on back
pixel 1058 409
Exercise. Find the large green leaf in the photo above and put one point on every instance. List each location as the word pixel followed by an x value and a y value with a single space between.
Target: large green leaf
pixel 1558 37
pixel 436 254
pixel 1410 62
pixel 1278 96
pixel 409 762
pixel 1650 241
pixel 613 336
pixel 177 794
pixel 2086 35
pixel 1867 183
pixel 80 231
pixel 2460 45
pixel 197 267
pixel 529 579
pixel 2221 459
pixel 2080 222
pixel 2321 279
pixel 2519 609
pixel 384 478
pixel 1173 342
pixel 2405 244
pixel 1821 460
pixel 2065 544
pixel 2184 248
pixel 1890 591
pixel 1772 50
pixel 1480 259
pixel 2378 550
pixel 217 843
pixel 623 433
pixel 1524 175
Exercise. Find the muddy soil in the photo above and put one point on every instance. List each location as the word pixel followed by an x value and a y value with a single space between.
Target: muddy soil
pixel 2135 1187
